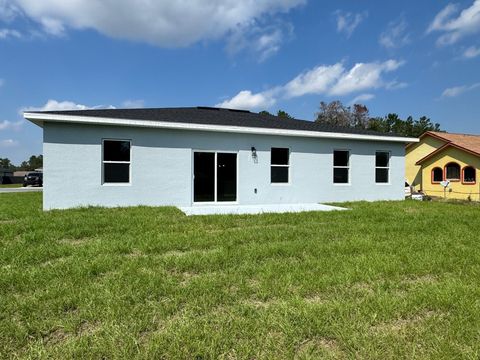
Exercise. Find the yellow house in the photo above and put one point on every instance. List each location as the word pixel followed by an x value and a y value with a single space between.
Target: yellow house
pixel 440 158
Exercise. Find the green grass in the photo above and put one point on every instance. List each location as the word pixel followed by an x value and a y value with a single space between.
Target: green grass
pixel 385 280
pixel 10 185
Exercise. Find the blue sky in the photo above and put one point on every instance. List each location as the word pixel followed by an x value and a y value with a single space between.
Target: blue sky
pixel 409 57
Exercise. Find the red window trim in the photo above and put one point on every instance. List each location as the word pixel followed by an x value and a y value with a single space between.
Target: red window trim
pixel 431 175
pixel 445 172
pixel 463 176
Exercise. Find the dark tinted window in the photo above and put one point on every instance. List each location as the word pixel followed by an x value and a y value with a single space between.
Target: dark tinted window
pixel 116 173
pixel 382 159
pixel 204 176
pixel 279 156
pixel 279 174
pixel 340 158
pixel 469 174
pixel 381 175
pixel 340 175
pixel 437 175
pixel 116 157
pixel 115 150
pixel 453 171
pixel 226 177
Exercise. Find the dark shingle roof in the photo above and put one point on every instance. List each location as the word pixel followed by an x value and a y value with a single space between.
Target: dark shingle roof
pixel 215 116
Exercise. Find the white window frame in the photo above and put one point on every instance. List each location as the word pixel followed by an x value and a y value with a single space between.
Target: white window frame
pixel 382 167
pixel 341 167
pixel 117 162
pixel 279 165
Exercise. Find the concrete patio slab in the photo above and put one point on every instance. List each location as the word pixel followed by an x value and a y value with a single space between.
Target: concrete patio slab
pixel 255 209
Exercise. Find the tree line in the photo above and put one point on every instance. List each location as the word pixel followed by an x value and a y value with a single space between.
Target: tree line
pixel 358 116
pixel 34 162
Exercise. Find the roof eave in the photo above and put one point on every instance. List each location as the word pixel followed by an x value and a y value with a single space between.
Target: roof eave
pixel 40 118
pixel 443 147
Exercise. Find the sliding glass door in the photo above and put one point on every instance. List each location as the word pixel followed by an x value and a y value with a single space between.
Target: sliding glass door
pixel 214 177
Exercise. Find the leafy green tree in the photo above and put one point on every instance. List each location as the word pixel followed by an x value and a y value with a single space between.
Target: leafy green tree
pixel 5 163
pixel 34 162
pixel 284 114
pixel 280 113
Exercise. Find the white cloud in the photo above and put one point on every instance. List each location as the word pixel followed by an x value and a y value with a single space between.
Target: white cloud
pixel 362 98
pixel 247 100
pixel 261 40
pixel 8 143
pixel 132 104
pixel 454 28
pixel 268 44
pixel 394 85
pixel 364 76
pixel 395 35
pixel 315 81
pixel 10 125
pixel 471 52
pixel 54 105
pixel 8 10
pixel 162 22
pixel 9 33
pixel 458 90
pixel 348 22
pixel 331 80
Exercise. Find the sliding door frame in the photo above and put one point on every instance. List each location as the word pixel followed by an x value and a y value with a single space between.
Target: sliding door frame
pixel 215 189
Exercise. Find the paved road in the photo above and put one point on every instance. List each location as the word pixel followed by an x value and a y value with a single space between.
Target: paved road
pixel 20 189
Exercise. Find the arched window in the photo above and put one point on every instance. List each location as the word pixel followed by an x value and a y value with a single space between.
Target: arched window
pixel 452 172
pixel 469 175
pixel 437 175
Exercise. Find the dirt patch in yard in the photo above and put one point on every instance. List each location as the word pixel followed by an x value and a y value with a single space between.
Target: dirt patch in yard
pixel 87 328
pixel 55 336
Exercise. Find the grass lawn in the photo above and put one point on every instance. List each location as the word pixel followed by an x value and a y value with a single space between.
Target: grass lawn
pixel 384 280
pixel 10 185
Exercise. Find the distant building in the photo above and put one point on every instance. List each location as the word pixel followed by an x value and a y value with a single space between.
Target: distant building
pixel 6 172
pixel 439 157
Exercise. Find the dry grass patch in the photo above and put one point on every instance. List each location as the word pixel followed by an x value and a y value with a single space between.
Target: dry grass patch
pixel 317 348
pixel 261 304
pixel 401 324
pixel 182 253
pixel 88 328
pixel 419 280
pixel 316 299
pixel 56 336
pixel 55 261
pixel 75 242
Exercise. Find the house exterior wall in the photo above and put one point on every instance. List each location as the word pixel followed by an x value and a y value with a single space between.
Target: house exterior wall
pixel 415 152
pixel 456 189
pixel 162 163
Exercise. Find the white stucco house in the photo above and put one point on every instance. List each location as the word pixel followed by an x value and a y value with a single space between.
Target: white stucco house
pixel 201 155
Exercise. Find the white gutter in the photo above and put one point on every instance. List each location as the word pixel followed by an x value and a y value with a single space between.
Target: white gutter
pixel 40 118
